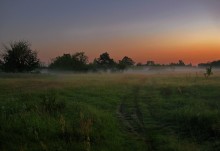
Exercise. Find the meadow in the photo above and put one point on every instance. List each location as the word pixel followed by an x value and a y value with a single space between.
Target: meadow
pixel 106 112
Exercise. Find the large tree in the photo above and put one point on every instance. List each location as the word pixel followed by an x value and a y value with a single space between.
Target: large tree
pixel 125 63
pixel 18 57
pixel 76 62
pixel 105 61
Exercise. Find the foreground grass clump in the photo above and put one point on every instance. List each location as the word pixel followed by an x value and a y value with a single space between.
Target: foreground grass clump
pixel 47 124
pixel 109 112
pixel 69 117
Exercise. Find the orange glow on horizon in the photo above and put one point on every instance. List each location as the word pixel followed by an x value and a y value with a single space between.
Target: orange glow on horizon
pixel 188 55
pixel 194 47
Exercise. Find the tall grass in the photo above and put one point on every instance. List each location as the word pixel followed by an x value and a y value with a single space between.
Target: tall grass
pixel 109 112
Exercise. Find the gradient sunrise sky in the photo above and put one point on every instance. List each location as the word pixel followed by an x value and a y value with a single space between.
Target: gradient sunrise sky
pixel 160 30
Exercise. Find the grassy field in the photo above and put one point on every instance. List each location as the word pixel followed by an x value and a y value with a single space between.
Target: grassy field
pixel 106 112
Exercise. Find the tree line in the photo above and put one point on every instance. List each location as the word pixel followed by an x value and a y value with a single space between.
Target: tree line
pixel 212 64
pixel 19 57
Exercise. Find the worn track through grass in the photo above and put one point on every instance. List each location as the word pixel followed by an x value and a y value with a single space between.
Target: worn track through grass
pixel 131 116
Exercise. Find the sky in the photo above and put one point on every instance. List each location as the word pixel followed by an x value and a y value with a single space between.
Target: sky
pixel 161 30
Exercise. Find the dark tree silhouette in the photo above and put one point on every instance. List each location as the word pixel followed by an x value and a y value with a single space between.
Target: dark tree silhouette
pixel 64 62
pixel 18 57
pixel 150 63
pixel 139 64
pixel 181 63
pixel 76 62
pixel 105 62
pixel 213 64
pixel 80 58
pixel 125 63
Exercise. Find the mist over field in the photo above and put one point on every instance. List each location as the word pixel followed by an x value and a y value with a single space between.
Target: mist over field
pixel 193 71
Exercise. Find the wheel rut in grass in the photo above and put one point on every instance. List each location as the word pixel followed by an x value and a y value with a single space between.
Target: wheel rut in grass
pixel 131 116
